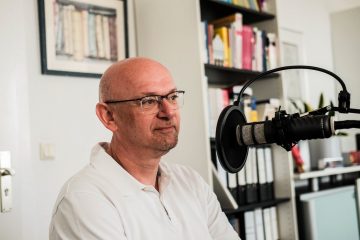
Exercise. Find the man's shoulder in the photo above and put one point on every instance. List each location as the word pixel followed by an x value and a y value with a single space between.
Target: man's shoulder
pixel 86 180
pixel 180 171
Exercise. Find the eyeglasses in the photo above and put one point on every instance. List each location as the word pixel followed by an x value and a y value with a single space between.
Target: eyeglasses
pixel 151 104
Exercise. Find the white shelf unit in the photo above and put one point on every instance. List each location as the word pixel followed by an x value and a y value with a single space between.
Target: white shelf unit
pixel 170 31
pixel 326 172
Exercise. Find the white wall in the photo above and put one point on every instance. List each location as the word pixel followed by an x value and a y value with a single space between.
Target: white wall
pixel 36 109
pixel 346 48
pixel 311 18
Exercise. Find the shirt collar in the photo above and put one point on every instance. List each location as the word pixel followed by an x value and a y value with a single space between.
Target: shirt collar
pixel 116 175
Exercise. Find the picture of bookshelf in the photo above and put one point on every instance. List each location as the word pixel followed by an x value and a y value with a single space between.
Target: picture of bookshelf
pixel 82 37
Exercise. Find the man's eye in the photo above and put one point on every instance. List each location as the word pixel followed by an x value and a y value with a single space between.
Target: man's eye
pixel 148 101
pixel 173 97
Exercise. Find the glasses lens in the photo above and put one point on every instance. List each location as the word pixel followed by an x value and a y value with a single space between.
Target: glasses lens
pixel 151 104
pixel 176 99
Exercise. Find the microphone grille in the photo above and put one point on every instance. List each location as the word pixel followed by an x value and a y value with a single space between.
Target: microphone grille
pixel 253 134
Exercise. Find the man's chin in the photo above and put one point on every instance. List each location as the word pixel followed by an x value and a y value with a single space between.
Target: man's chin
pixel 166 146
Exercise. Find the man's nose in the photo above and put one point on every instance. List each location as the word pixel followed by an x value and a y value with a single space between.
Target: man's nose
pixel 166 108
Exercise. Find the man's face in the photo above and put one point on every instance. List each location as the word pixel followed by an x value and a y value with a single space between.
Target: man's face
pixel 139 130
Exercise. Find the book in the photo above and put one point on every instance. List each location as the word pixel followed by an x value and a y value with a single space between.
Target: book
pixel 272 51
pixel 259 224
pixel 78 51
pixel 113 39
pixel 59 28
pixel 85 32
pixel 218 100
pixel 258 53
pixel 274 223
pixel 260 157
pixel 232 185
pixel 92 35
pixel 241 198
pixel 269 172
pixel 247 47
pixel 267 224
pixel 254 5
pixel 251 177
pixel 225 198
pixel 68 31
pixel 205 50
pixel 106 37
pixel 218 50
pixel 250 231
pixel 223 33
pixel 234 24
pixel 210 36
pixel 99 36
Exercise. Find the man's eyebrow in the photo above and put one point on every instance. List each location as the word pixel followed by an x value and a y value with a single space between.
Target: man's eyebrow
pixel 156 94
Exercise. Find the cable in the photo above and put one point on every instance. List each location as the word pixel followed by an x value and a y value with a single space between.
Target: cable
pixel 261 75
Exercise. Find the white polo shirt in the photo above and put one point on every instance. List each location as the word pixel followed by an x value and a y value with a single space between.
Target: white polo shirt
pixel 103 201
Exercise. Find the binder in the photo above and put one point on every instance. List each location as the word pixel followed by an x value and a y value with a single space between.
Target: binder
pixel 232 185
pixel 263 186
pixel 250 233
pixel 269 172
pixel 241 187
pixel 251 177
pixel 259 224
pixel 274 223
pixel 267 224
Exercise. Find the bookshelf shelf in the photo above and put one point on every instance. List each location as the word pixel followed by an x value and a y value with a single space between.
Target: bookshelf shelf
pixel 227 77
pixel 253 206
pixel 214 9
pixel 326 172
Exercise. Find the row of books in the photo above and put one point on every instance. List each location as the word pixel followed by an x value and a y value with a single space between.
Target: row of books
pixel 257 5
pixel 253 109
pixel 82 33
pixel 255 182
pixel 229 43
pixel 258 224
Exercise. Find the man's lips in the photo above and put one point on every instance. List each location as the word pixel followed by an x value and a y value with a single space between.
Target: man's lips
pixel 165 128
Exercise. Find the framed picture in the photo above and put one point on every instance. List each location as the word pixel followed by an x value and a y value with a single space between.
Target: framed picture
pixel 82 37
pixel 292 50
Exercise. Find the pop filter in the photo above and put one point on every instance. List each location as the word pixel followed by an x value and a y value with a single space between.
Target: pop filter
pixel 231 155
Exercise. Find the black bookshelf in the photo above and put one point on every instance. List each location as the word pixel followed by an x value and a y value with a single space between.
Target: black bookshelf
pixel 253 206
pixel 228 77
pixel 214 9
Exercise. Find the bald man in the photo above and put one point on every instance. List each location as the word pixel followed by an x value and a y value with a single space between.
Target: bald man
pixel 126 192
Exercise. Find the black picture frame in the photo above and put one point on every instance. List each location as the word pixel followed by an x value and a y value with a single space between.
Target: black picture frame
pixel 82 37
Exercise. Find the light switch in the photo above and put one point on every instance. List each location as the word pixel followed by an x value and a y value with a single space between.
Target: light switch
pixel 47 151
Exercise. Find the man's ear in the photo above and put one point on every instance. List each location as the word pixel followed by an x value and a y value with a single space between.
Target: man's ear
pixel 106 116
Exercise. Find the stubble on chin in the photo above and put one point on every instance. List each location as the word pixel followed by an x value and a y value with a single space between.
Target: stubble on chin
pixel 166 142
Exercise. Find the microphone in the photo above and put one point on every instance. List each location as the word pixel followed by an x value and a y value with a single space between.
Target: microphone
pixel 285 130
pixel 234 135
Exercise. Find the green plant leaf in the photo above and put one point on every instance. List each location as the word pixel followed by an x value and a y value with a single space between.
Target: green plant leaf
pixel 321 101
pixel 307 107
